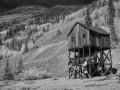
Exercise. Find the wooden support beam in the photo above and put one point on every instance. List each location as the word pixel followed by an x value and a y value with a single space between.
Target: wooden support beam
pixel 107 70
pixel 107 64
pixel 111 61
pixel 79 55
pixel 75 64
pixel 69 67
pixel 98 59
pixel 106 56
pixel 79 62
pixel 110 64
pixel 74 60
pixel 95 57
pixel 72 72
pixel 96 69
pixel 101 61
pixel 69 59
pixel 89 61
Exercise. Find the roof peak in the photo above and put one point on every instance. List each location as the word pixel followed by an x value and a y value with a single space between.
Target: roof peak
pixel 93 29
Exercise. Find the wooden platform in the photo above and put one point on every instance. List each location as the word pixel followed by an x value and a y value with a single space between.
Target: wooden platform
pixel 76 49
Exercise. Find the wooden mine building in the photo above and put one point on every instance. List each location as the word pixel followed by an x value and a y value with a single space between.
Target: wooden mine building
pixel 89 51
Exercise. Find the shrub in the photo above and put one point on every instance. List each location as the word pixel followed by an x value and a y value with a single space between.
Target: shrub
pixel 1 57
pixel 31 74
pixel 18 77
pixel 44 30
pixel 34 75
pixel 58 33
pixel 45 75
pixel 31 77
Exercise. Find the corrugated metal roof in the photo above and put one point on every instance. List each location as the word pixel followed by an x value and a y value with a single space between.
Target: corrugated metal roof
pixel 94 29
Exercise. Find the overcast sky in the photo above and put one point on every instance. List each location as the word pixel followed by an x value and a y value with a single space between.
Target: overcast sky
pixel 46 3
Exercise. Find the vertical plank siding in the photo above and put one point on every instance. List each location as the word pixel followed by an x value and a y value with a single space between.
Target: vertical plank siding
pixel 105 41
pixel 79 37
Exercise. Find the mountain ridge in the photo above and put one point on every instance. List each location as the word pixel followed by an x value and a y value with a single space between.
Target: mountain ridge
pixel 51 3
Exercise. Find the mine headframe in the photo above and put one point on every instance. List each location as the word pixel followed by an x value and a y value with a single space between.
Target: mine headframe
pixel 89 52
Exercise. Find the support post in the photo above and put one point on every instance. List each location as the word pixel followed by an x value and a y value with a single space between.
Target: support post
pixel 79 54
pixel 111 61
pixel 79 61
pixel 69 57
pixel 83 48
pixel 75 63
pixel 102 62
pixel 69 67
pixel 89 61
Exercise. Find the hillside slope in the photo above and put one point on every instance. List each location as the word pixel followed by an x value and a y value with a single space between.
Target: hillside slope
pixel 48 52
pixel 46 37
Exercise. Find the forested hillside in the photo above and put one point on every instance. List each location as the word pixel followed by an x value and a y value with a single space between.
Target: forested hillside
pixel 37 36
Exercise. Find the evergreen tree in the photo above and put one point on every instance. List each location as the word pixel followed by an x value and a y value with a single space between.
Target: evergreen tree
pixel 59 32
pixel 33 40
pixel 19 45
pixel 48 28
pixel 44 30
pixel 8 71
pixel 111 12
pixel 63 18
pixel 1 57
pixel 13 44
pixel 1 42
pixel 88 20
pixel 20 66
pixel 15 69
pixel 26 45
pixel 53 37
pixel 7 45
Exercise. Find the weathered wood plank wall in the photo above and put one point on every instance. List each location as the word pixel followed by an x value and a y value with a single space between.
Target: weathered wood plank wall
pixel 80 37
